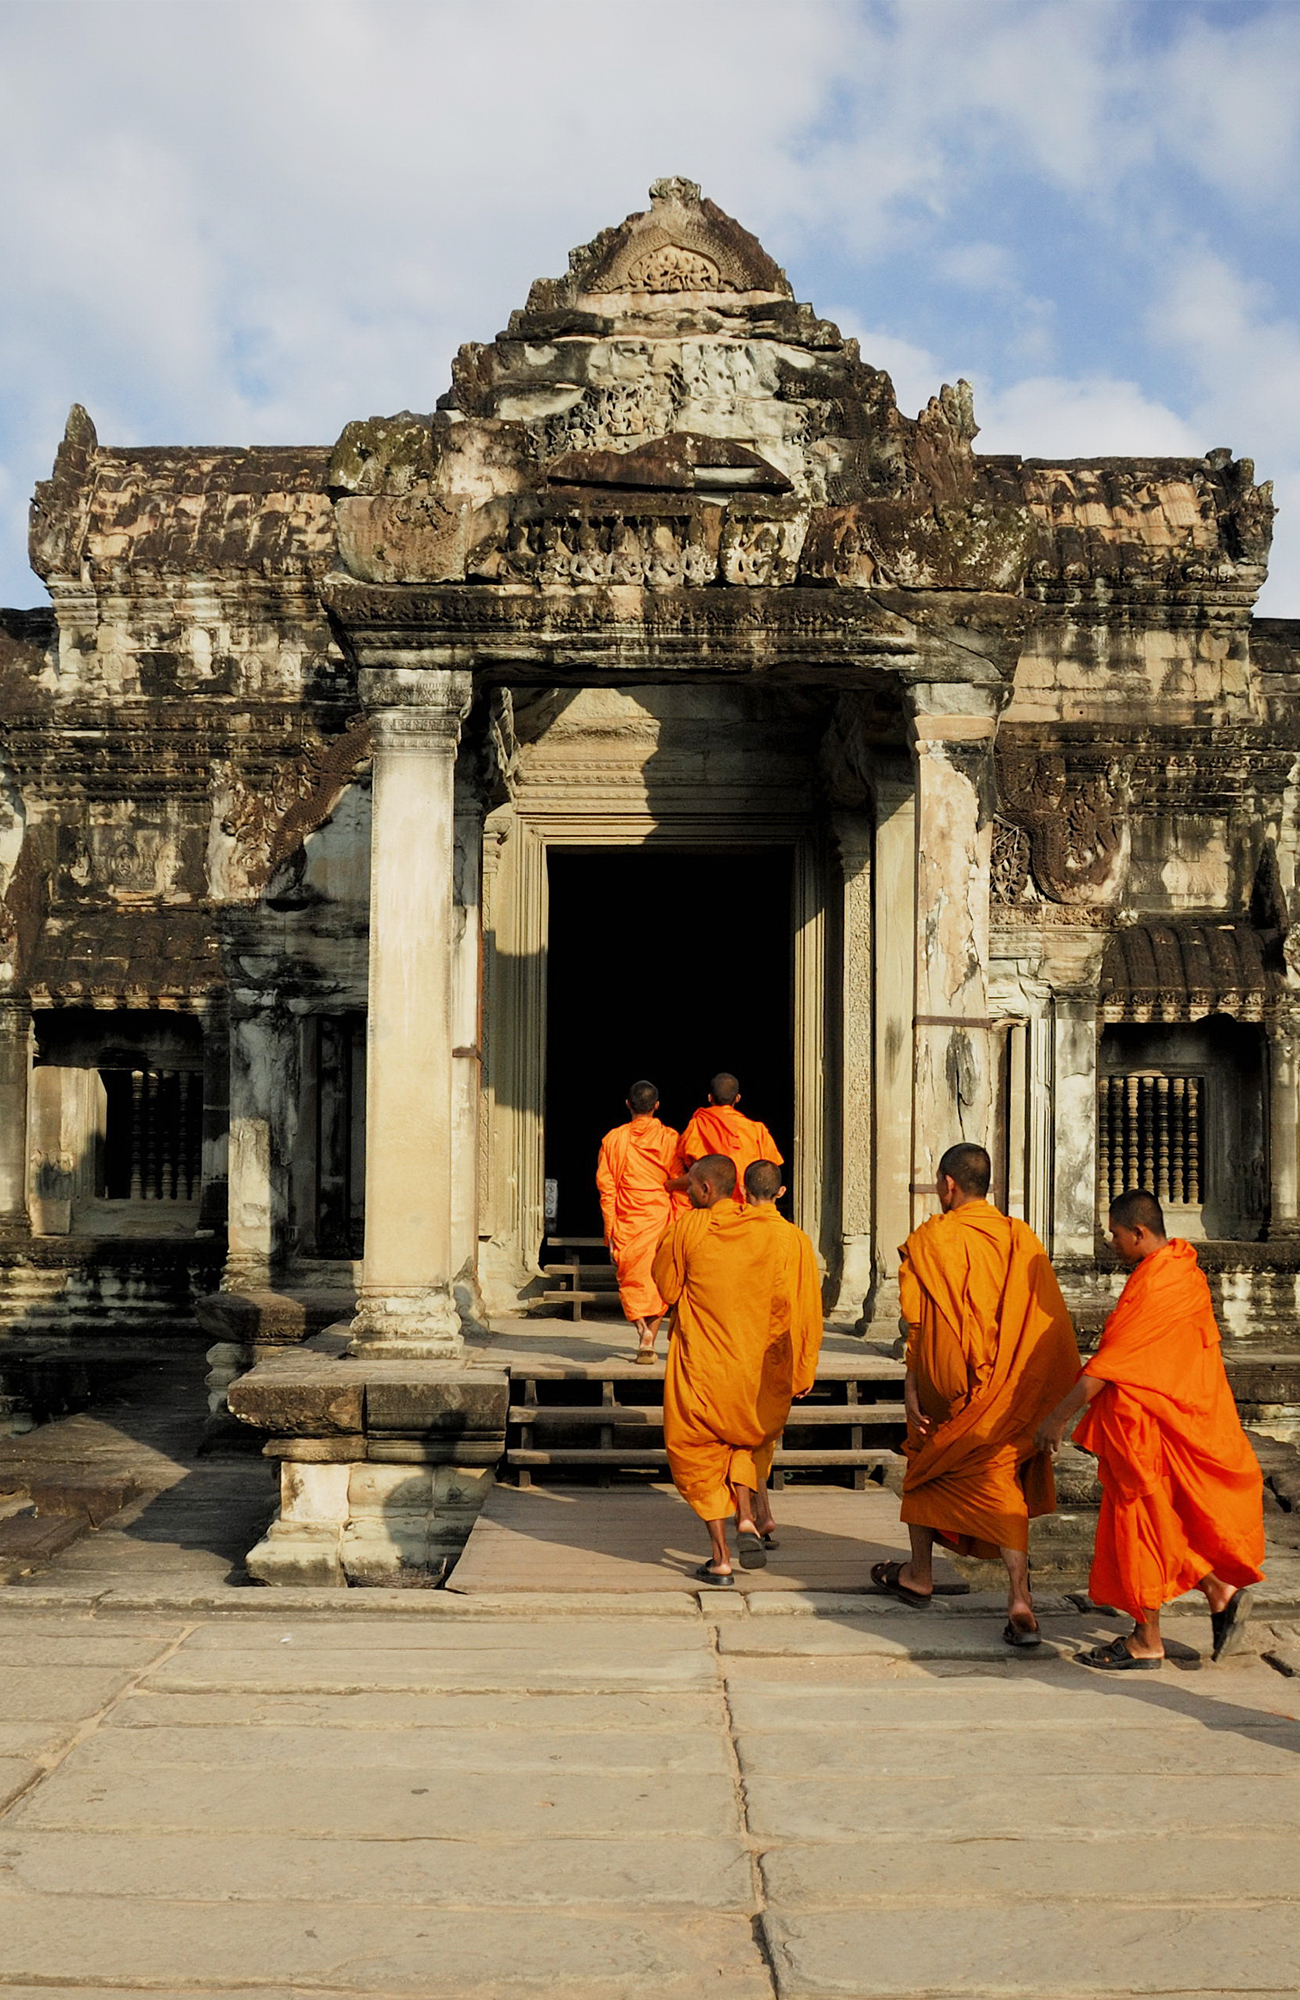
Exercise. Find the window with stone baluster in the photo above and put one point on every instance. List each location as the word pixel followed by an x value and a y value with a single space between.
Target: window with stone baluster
pixel 1180 1112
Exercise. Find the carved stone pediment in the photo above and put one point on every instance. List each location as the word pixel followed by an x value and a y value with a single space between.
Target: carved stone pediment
pixel 681 244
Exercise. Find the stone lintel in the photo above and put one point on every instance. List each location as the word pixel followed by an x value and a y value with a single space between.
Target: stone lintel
pixel 603 633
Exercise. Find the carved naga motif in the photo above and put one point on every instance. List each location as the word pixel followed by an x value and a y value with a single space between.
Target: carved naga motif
pixel 1076 821
pixel 270 824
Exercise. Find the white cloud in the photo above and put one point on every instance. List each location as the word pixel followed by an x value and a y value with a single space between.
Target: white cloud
pixel 233 220
pixel 1091 416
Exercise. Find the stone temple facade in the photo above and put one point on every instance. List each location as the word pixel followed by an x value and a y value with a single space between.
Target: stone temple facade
pixel 370 815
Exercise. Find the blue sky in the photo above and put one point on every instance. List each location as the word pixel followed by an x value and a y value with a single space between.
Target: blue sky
pixel 251 220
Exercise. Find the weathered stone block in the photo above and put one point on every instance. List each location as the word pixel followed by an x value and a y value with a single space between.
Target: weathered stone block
pixel 425 1398
pixel 381 1489
pixel 314 1493
pixel 298 1552
pixel 298 1403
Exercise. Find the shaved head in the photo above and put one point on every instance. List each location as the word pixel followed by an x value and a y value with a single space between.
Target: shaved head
pixel 711 1179
pixel 1136 1209
pixel 724 1088
pixel 970 1168
pixel 762 1180
pixel 642 1097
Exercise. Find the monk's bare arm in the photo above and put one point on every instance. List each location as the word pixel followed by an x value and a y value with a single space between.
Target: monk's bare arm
pixel 916 1416
pixel 668 1270
pixel 1051 1432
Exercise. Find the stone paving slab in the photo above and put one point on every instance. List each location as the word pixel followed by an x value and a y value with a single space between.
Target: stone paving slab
pixel 697 1872
pixel 508 1712
pixel 437 1955
pixel 15 1774
pixel 20 1647
pixel 955 1756
pixel 386 1804
pixel 557 1633
pixel 1047 1949
pixel 1188 1866
pixel 803 1809
pixel 615 1540
pixel 1235 1693
pixel 468 1667
pixel 429 1752
pixel 58 1694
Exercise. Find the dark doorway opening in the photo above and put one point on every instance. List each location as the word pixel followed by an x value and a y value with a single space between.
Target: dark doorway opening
pixel 668 964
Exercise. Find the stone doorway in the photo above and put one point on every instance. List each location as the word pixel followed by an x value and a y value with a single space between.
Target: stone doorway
pixel 710 935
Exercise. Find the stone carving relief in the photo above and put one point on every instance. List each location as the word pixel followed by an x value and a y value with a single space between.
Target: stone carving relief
pixel 1009 868
pixel 1076 822
pixel 673 269
pixel 269 824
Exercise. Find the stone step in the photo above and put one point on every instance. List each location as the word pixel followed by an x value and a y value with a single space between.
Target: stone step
pixel 804 1416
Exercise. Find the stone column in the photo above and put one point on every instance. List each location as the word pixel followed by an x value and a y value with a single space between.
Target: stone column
pixel 467 1058
pixel 214 1164
pixel 15 1071
pixel 407 1306
pixel 894 980
pixel 264 1078
pixel 952 729
pixel 1284 1125
pixel 1074 1112
pixel 854 835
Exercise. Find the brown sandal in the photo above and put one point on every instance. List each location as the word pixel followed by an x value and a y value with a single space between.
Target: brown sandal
pixel 885 1577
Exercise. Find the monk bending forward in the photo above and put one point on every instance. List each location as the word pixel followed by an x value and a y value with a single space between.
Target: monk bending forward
pixel 990 1350
pixel 1182 1494
pixel 632 1176
pixel 748 1333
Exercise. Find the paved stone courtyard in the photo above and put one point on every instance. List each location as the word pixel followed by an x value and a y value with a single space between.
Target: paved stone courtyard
pixel 790 1794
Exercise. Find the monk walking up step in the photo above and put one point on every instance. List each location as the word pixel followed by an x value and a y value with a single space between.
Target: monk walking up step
pixel 1182 1493
pixel 748 1333
pixel 720 1126
pixel 636 1161
pixel 990 1350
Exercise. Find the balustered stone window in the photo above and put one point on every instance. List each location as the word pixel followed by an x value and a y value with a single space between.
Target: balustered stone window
pixel 153 1126
pixel 116 1121
pixel 1149 1135
pixel 1180 1111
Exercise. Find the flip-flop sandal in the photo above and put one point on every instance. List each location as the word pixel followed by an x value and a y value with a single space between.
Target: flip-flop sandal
pixel 770 1542
pixel 1019 1635
pixel 645 1357
pixel 1229 1625
pixel 753 1555
pixel 885 1577
pixel 706 1575
pixel 1116 1658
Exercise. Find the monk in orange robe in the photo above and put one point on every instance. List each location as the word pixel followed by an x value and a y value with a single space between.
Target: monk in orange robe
pixel 720 1126
pixel 990 1350
pixel 1182 1493
pixel 746 1341
pixel 636 1162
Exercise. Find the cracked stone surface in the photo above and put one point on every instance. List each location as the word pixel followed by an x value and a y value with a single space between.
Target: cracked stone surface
pixel 491 1799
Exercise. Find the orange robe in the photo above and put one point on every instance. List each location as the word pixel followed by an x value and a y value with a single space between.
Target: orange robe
pixel 636 1163
pixel 992 1350
pixel 1182 1492
pixel 748 1333
pixel 720 1128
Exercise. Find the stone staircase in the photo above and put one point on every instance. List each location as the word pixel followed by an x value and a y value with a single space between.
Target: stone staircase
pixel 606 1417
